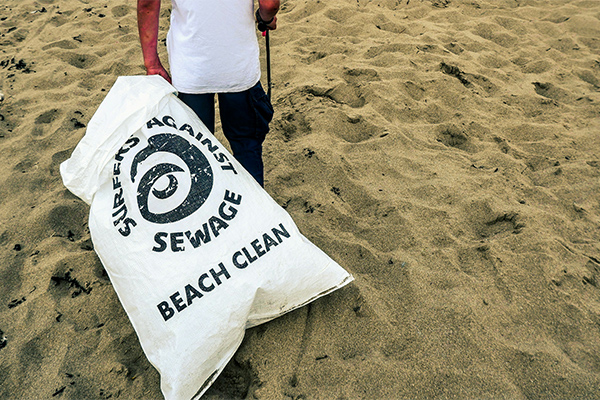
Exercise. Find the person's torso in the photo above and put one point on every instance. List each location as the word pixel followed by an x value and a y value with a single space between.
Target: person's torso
pixel 212 46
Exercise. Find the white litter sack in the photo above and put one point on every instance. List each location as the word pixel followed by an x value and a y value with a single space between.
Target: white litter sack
pixel 196 250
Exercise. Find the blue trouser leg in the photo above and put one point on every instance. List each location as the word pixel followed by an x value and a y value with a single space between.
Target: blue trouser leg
pixel 245 118
pixel 203 105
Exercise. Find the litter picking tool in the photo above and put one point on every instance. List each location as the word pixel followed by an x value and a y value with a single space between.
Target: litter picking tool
pixel 262 26
pixel 268 53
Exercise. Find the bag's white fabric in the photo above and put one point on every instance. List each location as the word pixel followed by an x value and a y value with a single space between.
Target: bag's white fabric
pixel 196 250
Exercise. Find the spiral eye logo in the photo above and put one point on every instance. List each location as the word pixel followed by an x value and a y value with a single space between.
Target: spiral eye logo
pixel 161 183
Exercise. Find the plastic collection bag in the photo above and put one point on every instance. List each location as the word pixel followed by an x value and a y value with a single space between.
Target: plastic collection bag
pixel 196 250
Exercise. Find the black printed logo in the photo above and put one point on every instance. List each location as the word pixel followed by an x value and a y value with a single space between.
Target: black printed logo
pixel 162 181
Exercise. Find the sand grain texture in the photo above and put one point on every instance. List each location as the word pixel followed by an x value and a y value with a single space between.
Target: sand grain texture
pixel 445 152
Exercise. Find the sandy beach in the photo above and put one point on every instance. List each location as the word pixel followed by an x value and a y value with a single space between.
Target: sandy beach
pixel 444 152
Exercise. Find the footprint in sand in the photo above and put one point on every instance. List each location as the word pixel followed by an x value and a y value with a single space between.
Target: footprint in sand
pixel 43 121
pixel 291 126
pixel 120 11
pixel 415 91
pixel 235 382
pixel 488 224
pixel 505 223
pixel 344 93
pixel 68 220
pixel 451 135
pixel 57 159
pixel 347 94
pixel 550 91
pixel 589 77
pixel 47 117
pixel 471 81
pixel 81 61
pixel 360 75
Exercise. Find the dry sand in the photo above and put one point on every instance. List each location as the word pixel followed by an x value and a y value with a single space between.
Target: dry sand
pixel 445 152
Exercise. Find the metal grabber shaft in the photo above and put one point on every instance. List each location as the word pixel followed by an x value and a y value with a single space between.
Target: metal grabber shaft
pixel 268 53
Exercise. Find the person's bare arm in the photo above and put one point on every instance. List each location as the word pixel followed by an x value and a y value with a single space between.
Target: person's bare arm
pixel 268 10
pixel 148 12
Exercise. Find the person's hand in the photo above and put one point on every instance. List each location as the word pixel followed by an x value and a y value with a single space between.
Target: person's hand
pixel 264 25
pixel 158 70
pixel 273 25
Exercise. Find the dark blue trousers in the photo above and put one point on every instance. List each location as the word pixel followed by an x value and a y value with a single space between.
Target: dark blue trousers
pixel 245 118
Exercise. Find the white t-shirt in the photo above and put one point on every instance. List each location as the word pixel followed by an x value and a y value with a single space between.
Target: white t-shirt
pixel 212 46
